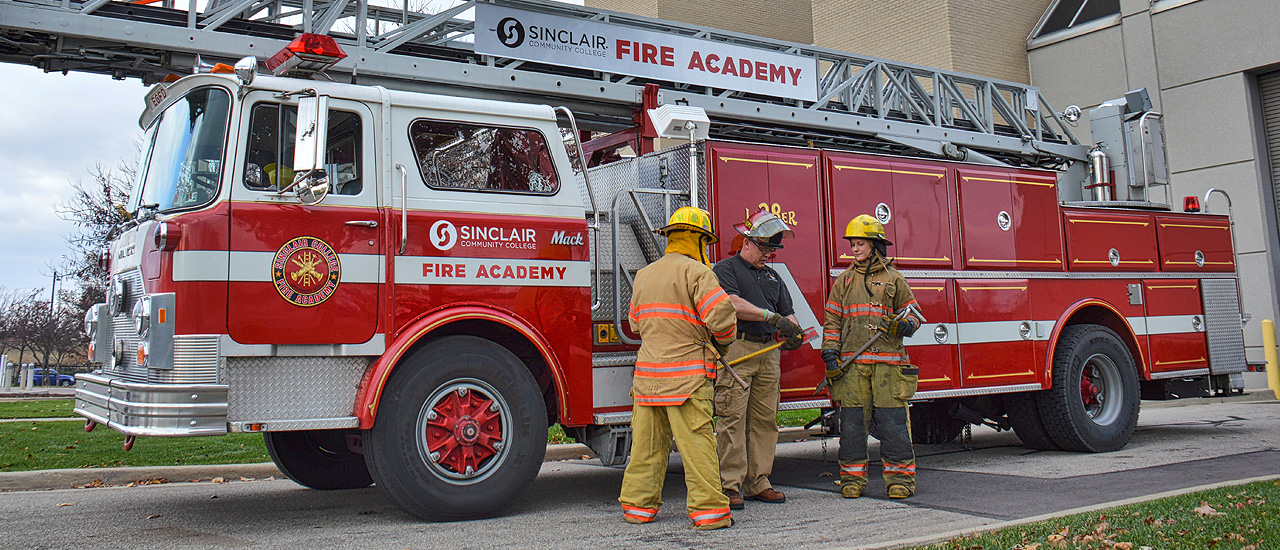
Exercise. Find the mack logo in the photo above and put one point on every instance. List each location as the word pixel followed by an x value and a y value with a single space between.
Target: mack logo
pixel 568 240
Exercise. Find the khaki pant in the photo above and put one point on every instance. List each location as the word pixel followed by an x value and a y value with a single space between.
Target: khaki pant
pixel 747 432
pixel 652 429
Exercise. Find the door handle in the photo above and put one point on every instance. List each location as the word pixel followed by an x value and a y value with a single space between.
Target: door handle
pixel 365 223
pixel 404 209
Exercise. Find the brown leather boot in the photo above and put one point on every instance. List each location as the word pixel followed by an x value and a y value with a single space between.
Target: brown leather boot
pixel 769 495
pixel 735 499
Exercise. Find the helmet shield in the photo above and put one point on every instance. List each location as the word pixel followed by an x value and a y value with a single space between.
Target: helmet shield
pixel 766 229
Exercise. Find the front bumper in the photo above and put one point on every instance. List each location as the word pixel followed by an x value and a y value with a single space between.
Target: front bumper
pixel 159 410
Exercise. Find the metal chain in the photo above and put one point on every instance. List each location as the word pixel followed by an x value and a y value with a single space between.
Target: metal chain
pixel 967 439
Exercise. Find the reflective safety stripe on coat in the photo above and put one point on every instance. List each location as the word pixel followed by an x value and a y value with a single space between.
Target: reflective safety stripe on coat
pixel 675 303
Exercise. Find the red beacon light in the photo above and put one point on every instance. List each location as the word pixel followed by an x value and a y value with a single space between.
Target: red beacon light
pixel 1191 203
pixel 307 54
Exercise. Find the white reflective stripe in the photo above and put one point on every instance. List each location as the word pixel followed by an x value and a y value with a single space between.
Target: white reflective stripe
pixel 1168 324
pixel 200 265
pixel 255 267
pixel 432 270
pixel 984 332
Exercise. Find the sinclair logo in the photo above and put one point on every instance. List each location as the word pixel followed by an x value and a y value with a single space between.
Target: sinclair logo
pixel 306 271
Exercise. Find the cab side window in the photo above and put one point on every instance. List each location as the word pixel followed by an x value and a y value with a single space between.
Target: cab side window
pixel 272 128
pixel 455 155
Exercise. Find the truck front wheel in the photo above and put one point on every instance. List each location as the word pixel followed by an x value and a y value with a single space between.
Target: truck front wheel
pixel 1093 404
pixel 319 459
pixel 461 431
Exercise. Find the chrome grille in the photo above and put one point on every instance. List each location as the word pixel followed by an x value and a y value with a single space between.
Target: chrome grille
pixel 195 361
pixel 122 329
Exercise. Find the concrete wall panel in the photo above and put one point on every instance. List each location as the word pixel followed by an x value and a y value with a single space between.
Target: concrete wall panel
pixel 1086 70
pixel 1212 38
pixel 1208 123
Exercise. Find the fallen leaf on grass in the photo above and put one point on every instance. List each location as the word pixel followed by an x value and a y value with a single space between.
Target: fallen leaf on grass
pixel 1123 546
pixel 1205 510
pixel 1057 541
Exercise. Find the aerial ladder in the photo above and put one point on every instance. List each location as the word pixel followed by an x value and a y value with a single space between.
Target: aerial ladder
pixel 863 102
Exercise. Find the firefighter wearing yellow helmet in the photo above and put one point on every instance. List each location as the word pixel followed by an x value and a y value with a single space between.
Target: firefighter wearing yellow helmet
pixel 870 300
pixel 683 317
pixel 747 431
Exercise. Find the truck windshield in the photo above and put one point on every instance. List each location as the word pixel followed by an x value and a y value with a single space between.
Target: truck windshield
pixel 183 164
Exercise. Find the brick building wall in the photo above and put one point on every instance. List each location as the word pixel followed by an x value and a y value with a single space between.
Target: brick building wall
pixel 790 20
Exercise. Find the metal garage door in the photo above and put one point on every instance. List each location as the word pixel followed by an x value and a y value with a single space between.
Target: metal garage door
pixel 1269 86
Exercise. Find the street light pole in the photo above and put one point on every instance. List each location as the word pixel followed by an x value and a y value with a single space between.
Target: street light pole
pixel 53 291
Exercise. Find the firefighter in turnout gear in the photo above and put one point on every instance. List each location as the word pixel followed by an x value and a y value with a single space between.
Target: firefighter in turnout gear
pixel 684 319
pixel 747 431
pixel 868 301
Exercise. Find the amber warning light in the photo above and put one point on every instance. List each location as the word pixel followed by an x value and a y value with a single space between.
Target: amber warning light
pixel 307 54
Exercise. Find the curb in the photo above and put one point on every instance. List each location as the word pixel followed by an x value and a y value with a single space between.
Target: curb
pixel 942 537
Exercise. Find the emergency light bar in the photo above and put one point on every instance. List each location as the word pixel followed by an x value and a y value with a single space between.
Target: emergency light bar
pixel 307 54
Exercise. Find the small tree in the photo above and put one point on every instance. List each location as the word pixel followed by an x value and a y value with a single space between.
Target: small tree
pixel 94 209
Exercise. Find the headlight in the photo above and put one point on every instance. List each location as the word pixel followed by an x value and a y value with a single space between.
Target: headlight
pixel 118 296
pixel 91 320
pixel 142 315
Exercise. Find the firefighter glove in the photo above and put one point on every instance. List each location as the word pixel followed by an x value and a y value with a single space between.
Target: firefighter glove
pixel 897 327
pixel 721 349
pixel 792 343
pixel 832 359
pixel 786 327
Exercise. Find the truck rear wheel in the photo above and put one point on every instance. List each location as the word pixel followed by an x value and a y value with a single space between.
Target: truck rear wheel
pixel 461 431
pixel 1024 416
pixel 318 459
pixel 1093 404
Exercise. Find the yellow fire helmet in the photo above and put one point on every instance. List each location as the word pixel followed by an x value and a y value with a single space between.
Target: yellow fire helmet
pixel 866 227
pixel 690 218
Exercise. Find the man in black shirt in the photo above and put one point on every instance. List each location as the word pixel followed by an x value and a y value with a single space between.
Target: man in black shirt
pixel 747 432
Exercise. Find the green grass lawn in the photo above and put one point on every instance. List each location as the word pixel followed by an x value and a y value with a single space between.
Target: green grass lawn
pixel 48 445
pixel 37 408
pixel 1244 517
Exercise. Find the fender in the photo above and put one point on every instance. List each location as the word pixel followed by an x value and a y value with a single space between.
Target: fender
pixel 1129 338
pixel 370 392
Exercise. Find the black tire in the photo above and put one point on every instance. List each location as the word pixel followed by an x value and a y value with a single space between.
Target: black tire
pixel 931 424
pixel 66 383
pixel 318 459
pixel 1093 404
pixel 481 465
pixel 1024 416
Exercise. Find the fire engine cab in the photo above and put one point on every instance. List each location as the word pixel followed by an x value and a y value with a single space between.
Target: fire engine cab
pixel 407 289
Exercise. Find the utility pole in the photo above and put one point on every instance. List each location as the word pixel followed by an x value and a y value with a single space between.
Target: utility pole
pixel 53 291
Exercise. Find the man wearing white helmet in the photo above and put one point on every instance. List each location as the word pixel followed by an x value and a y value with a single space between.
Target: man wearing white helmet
pixel 747 432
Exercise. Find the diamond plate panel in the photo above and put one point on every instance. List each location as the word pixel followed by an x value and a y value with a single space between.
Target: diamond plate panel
pixel 635 214
pixel 1222 326
pixel 292 388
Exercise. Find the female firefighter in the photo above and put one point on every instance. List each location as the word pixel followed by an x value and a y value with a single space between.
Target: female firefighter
pixel 871 300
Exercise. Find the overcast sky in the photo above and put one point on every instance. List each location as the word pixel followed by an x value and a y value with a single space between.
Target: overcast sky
pixel 53 130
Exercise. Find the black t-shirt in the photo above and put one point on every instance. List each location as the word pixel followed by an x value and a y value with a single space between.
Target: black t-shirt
pixel 762 287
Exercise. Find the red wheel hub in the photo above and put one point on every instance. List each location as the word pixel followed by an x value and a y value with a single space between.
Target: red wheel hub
pixel 1088 389
pixel 466 431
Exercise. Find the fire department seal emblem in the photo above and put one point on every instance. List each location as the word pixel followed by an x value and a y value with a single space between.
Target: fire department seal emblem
pixel 306 271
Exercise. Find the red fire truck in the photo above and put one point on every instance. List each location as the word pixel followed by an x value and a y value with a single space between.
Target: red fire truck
pixel 407 289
